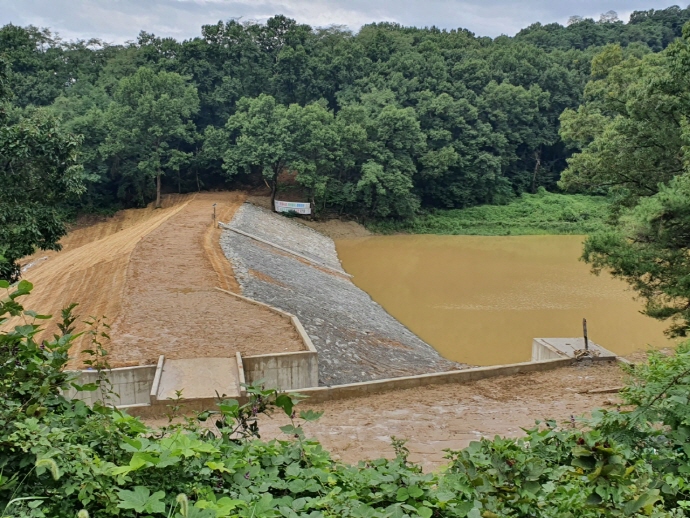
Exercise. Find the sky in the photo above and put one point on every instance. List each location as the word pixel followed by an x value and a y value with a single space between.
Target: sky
pixel 117 21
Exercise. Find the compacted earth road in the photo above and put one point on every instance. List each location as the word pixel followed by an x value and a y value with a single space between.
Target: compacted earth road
pixel 152 274
pixel 170 304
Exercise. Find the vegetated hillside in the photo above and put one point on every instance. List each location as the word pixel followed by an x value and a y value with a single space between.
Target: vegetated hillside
pixel 541 213
pixel 376 124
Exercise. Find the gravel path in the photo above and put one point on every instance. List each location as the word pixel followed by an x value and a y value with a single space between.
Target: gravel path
pixel 357 339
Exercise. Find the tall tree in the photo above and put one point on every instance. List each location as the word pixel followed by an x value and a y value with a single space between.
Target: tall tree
pixel 634 136
pixel 628 130
pixel 149 124
pixel 394 138
pixel 317 143
pixel 258 138
pixel 39 169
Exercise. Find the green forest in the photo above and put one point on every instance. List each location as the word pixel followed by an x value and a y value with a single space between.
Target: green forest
pixel 583 128
pixel 399 127
pixel 381 123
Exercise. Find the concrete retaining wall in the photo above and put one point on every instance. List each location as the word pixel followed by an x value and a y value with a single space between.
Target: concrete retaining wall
pixel 283 249
pixel 284 371
pixel 320 394
pixel 162 408
pixel 132 384
pixel 542 351
pixel 552 348
pixel 354 390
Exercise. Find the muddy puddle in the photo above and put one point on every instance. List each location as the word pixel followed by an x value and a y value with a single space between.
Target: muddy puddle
pixel 481 300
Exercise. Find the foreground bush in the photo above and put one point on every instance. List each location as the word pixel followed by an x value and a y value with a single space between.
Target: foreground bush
pixel 59 458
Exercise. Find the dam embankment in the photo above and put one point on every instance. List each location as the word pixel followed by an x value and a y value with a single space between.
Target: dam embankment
pixel 356 339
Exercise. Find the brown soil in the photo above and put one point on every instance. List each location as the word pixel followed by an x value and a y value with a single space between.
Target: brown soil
pixel 170 304
pixel 260 201
pixel 221 265
pixel 451 416
pixel 266 278
pixel 337 229
pixel 92 266
pixel 152 273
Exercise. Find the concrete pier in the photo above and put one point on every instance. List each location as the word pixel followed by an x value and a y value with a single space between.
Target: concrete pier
pixel 558 348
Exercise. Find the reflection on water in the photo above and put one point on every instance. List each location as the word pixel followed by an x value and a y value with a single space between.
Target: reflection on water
pixel 481 300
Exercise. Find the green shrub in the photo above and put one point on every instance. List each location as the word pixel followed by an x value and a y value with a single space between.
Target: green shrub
pixel 541 213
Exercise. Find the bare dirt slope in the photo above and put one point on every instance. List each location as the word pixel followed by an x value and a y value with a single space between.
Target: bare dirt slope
pixel 92 266
pixel 451 416
pixel 170 304
pixel 152 273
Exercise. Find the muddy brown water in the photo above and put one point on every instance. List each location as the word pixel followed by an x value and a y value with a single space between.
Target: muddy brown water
pixel 481 300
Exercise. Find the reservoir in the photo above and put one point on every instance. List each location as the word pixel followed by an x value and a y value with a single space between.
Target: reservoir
pixel 481 300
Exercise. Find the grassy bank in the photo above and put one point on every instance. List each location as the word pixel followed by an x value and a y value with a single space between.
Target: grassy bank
pixel 541 213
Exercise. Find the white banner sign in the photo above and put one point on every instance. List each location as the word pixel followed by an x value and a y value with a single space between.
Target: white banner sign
pixel 293 206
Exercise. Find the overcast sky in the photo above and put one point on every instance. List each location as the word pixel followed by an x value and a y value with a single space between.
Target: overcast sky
pixel 117 21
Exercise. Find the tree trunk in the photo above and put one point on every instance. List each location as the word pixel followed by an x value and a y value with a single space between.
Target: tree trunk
pixel 158 190
pixel 537 157
pixel 274 188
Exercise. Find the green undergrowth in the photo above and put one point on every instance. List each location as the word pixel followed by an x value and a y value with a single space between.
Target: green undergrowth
pixel 541 213
pixel 60 458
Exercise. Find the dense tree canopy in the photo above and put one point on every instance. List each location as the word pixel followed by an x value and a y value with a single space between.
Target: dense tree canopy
pixel 382 123
pixel 39 169
pixel 148 124
pixel 632 133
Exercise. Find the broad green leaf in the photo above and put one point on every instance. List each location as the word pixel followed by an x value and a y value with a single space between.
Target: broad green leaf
pixel 291 430
pixel 415 491
pixel 218 466
pixel 141 500
pixel 310 415
pixel 89 387
pixel 25 286
pixel 643 501
pixel 474 513
pixel 264 504
pixel 286 403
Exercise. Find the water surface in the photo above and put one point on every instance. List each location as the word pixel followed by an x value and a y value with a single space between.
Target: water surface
pixel 480 300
